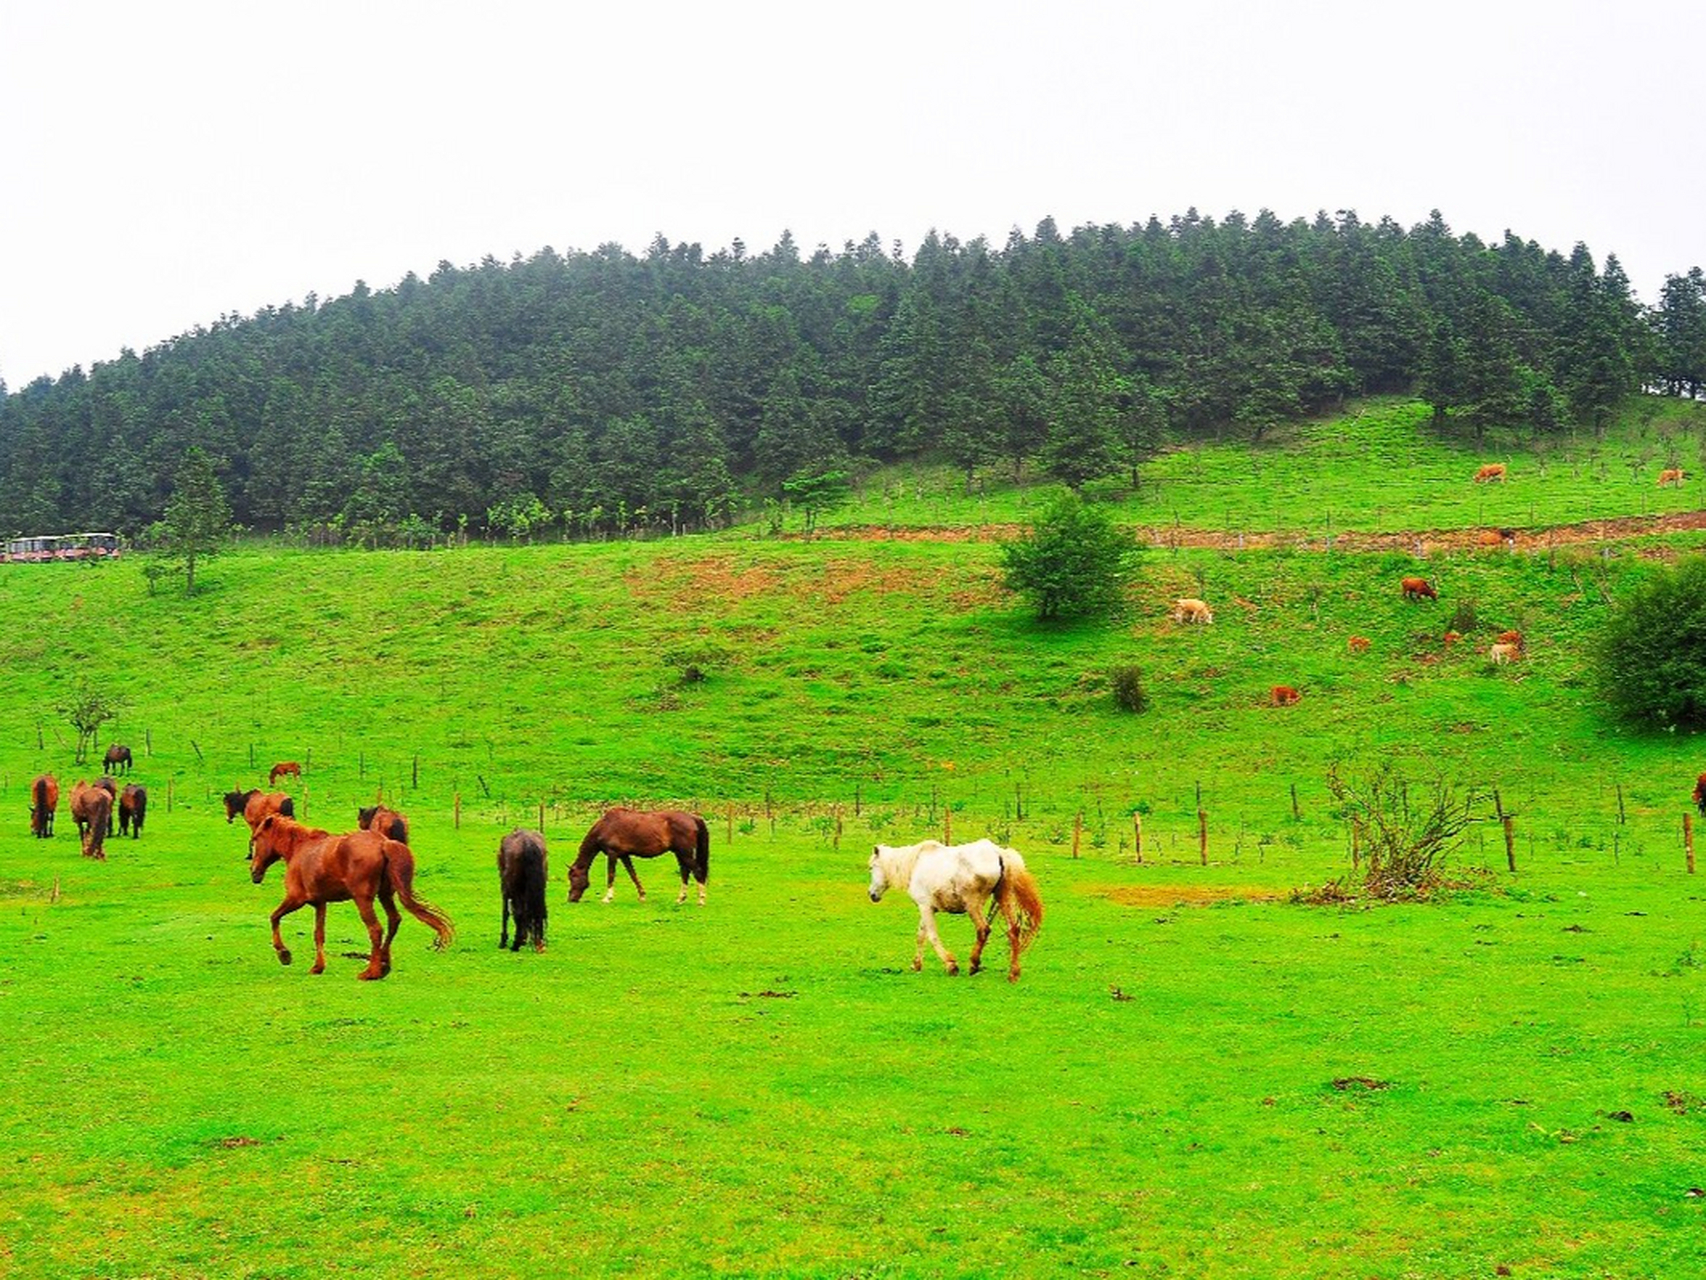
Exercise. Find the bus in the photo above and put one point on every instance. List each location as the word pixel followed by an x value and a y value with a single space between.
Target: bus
pixel 63 546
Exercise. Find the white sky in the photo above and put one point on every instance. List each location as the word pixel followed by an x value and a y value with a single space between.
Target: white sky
pixel 164 162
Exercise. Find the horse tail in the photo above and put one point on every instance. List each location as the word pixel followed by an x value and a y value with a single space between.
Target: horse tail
pixel 38 809
pixel 400 872
pixel 703 849
pixel 532 895
pixel 287 807
pixel 1018 892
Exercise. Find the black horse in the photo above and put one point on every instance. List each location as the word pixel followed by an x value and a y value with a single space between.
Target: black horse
pixel 522 877
pixel 117 755
pixel 132 809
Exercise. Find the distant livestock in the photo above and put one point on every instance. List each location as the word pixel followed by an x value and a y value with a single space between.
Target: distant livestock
pixel 626 834
pixel 1500 654
pixel 1452 637
pixel 1191 610
pixel 1510 637
pixel 44 800
pixel 1357 644
pixel 1700 792
pixel 1283 695
pixel 1418 589
pixel 1671 478
pixel 1492 471
pixel 283 769
pixel 116 757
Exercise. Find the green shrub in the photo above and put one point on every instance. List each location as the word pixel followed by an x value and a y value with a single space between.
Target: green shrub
pixel 1074 562
pixel 1129 693
pixel 1651 659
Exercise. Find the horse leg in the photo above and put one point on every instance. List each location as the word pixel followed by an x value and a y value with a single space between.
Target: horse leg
pixel 376 958
pixel 639 888
pixel 393 919
pixel 503 931
pixel 319 938
pixel 927 927
pixel 610 877
pixel 284 908
pixel 975 911
pixel 681 861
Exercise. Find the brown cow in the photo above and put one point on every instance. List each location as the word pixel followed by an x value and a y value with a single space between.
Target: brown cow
pixel 1191 610
pixel 1357 644
pixel 1671 478
pixel 1492 471
pixel 44 800
pixel 1283 695
pixel 1418 588
pixel 92 811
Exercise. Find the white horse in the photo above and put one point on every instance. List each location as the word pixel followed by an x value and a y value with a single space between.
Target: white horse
pixel 960 879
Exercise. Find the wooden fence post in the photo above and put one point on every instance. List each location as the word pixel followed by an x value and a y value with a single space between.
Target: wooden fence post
pixel 168 795
pixel 731 828
pixel 1356 845
pixel 947 825
pixel 1077 831
pixel 1688 839
pixel 1202 835
pixel 1296 815
pixel 458 810
pixel 542 815
pixel 1137 836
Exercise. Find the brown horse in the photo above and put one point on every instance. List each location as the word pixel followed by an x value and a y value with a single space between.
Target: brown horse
pixel 256 804
pixel 117 755
pixel 132 809
pixel 44 799
pixel 284 768
pixel 320 868
pixel 522 877
pixel 387 822
pixel 627 834
pixel 92 811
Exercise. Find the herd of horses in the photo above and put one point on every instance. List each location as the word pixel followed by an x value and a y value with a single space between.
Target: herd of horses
pixel 374 865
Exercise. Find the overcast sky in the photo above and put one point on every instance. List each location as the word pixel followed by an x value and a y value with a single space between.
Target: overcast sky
pixel 163 162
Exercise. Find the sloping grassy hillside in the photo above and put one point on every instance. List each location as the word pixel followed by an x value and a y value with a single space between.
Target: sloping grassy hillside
pixel 1194 1077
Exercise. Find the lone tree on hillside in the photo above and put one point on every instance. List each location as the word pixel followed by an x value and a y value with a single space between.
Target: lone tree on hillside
pixel 1074 562
pixel 198 518
pixel 1652 653
pixel 88 708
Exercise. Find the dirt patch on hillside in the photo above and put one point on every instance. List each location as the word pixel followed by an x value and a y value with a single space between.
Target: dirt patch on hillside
pixel 1539 537
pixel 1205 895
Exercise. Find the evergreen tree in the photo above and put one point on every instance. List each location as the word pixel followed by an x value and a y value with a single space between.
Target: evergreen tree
pixel 198 518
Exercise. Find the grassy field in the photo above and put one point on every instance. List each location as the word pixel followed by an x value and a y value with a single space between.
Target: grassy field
pixel 1194 1077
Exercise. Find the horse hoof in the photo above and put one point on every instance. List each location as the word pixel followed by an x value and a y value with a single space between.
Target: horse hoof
pixel 283 956
pixel 1014 976
pixel 367 975
pixel 953 971
pixel 918 966
pixel 319 968
pixel 976 968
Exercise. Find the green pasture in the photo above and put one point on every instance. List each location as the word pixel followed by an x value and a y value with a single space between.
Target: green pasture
pixel 1195 1077
pixel 1380 467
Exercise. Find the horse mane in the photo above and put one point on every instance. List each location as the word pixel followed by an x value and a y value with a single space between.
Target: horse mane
pixel 898 861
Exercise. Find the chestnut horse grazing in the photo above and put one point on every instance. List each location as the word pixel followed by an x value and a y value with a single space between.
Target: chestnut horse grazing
pixel 92 811
pixel 522 877
pixel 44 799
pixel 1492 471
pixel 961 879
pixel 387 822
pixel 1671 477
pixel 1417 589
pixel 256 804
pixel 320 867
pixel 284 768
pixel 117 755
pixel 1357 644
pixel 629 834
pixel 132 809
pixel 1283 695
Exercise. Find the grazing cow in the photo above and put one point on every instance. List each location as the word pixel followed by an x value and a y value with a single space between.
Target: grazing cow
pixel 1357 644
pixel 44 800
pixel 117 756
pixel 1503 653
pixel 1700 792
pixel 1492 471
pixel 1417 589
pixel 284 768
pixel 1452 637
pixel 132 809
pixel 1671 478
pixel 1190 610
pixel 1283 695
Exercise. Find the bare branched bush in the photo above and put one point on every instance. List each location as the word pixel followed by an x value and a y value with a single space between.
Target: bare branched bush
pixel 1406 830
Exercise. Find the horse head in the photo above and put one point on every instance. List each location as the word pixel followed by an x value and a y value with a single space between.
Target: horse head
pixel 579 878
pixel 234 802
pixel 879 875
pixel 267 845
